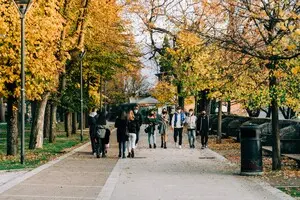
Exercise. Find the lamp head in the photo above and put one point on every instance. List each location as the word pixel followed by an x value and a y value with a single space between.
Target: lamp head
pixel 23 5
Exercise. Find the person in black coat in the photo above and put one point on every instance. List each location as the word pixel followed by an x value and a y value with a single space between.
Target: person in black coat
pixel 100 134
pixel 138 123
pixel 121 125
pixel 203 128
pixel 92 125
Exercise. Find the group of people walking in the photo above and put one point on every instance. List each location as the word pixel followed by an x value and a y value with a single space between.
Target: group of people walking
pixel 129 124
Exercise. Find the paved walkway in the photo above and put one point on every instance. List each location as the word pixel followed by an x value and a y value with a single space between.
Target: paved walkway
pixel 155 174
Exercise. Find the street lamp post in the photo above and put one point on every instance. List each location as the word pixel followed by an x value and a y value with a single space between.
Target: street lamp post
pixel 22 7
pixel 82 54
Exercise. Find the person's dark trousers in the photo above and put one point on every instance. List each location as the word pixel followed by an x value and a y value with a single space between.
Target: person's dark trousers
pixel 204 139
pixel 100 146
pixel 92 139
pixel 178 132
pixel 137 136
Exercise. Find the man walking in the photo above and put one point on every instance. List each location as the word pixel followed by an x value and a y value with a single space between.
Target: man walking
pixel 203 128
pixel 177 123
pixel 138 121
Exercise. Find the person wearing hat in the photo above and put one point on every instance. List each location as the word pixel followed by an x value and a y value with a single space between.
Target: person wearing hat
pixel 177 123
pixel 203 128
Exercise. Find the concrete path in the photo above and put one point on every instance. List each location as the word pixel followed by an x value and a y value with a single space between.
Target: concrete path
pixel 155 174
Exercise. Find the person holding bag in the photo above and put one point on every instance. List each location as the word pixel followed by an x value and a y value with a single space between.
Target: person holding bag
pixel 100 135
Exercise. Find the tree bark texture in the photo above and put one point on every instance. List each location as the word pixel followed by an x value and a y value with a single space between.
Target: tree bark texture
pixel 204 104
pixel 68 124
pixel 52 134
pixel 47 123
pixel 180 98
pixel 2 111
pixel 74 122
pixel 12 126
pixel 276 156
pixel 219 132
pixel 37 131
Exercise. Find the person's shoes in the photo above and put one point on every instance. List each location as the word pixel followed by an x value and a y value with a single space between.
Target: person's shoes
pixel 179 147
pixel 129 155
pixel 150 146
pixel 202 147
pixel 103 156
pixel 119 155
pixel 205 146
pixel 162 145
pixel 98 156
pixel 165 145
pixel 193 146
pixel 123 155
pixel 154 146
pixel 132 153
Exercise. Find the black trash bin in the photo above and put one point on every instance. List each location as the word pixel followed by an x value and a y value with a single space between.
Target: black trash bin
pixel 251 149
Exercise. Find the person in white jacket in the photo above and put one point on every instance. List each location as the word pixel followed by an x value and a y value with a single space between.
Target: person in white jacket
pixel 191 127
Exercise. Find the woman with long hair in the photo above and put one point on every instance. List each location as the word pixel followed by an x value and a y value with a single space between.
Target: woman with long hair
pixel 131 134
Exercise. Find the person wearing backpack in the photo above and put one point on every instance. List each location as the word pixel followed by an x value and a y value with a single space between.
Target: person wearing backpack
pixel 100 135
pixel 177 123
pixel 121 125
pixel 92 125
pixel 191 120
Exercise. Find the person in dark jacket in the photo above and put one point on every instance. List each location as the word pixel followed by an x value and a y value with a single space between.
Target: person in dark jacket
pixel 132 126
pixel 121 125
pixel 203 128
pixel 138 121
pixel 100 134
pixel 92 124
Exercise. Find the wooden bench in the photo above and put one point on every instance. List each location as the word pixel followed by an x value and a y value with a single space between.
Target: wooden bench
pixel 295 157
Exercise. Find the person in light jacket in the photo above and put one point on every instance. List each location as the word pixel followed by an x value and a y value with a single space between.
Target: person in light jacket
pixel 177 123
pixel 191 127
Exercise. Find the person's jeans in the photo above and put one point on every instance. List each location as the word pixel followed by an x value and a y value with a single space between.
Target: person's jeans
pixel 192 136
pixel 131 142
pixel 153 136
pixel 178 132
pixel 122 148
pixel 100 146
pixel 137 136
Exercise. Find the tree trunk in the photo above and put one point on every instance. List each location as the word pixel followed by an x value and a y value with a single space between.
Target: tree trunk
pixel 12 126
pixel 196 105
pixel 2 111
pixel 276 155
pixel 74 122
pixel 47 120
pixel 203 102
pixel 228 107
pixel 68 125
pixel 52 134
pixel 219 133
pixel 36 136
pixel 180 98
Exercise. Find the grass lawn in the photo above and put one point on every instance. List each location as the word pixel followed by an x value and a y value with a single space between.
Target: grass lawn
pixel 34 158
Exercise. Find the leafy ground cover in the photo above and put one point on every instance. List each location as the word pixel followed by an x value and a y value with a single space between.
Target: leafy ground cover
pixel 37 157
pixel 287 179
